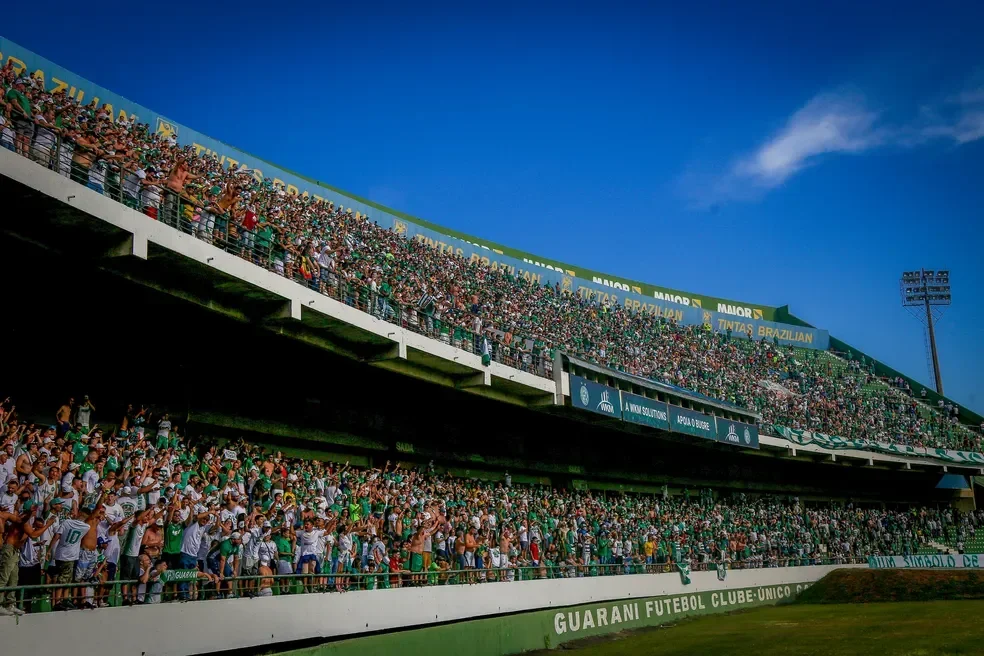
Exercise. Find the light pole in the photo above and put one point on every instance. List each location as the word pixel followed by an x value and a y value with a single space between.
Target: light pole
pixel 929 291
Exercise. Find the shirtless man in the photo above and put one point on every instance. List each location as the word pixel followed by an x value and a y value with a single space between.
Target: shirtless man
pixel 179 176
pixel 266 584
pixel 417 550
pixel 16 530
pixel 459 550
pixel 63 417
pixel 505 543
pixel 471 544
pixel 26 460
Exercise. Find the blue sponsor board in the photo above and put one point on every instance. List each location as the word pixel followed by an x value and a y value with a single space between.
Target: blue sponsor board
pixel 692 422
pixel 641 410
pixel 588 395
pixel 737 433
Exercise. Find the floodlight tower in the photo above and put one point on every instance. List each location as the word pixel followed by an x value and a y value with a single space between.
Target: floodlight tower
pixel 929 291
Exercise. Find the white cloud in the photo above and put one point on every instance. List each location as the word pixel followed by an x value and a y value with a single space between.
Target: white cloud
pixel 830 124
pixel 963 125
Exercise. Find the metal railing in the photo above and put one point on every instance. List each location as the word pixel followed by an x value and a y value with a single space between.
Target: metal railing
pixel 208 587
pixel 264 248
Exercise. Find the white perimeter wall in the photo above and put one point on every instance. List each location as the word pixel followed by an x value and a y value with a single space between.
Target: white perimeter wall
pixel 207 626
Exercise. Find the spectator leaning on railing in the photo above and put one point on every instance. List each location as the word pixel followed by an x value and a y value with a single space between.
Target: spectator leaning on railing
pixel 440 294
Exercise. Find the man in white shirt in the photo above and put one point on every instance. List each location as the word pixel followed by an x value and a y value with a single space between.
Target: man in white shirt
pixel 7 462
pixel 308 541
pixel 8 499
pixel 251 550
pixel 66 547
pixel 91 479
pixel 112 514
pixel 199 522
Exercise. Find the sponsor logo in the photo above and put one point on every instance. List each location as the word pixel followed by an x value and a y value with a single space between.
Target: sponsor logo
pixel 552 267
pixel 748 436
pixel 740 311
pixel 165 128
pixel 605 405
pixel 399 227
pixel 733 434
pixel 585 395
pixel 670 297
pixel 624 286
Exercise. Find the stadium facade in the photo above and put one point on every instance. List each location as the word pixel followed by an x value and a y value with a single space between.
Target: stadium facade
pixel 234 335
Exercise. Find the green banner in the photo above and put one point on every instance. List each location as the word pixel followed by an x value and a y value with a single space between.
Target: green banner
pixel 642 410
pixel 173 575
pixel 839 443
pixel 547 629
pixel 692 422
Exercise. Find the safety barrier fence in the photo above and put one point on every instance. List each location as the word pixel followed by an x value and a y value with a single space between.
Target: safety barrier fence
pixel 148 193
pixel 193 585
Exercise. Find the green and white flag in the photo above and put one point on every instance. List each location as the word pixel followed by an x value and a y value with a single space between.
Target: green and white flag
pixel 684 568
pixel 834 442
pixel 486 352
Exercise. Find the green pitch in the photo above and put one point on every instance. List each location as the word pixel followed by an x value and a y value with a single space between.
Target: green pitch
pixel 925 628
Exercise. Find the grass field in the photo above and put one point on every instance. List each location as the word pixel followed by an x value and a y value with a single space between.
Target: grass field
pixel 926 628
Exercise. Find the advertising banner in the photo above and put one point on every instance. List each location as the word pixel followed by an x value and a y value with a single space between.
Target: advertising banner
pixel 836 443
pixel 934 561
pixel 737 433
pixel 174 575
pixel 692 422
pixel 588 395
pixel 641 410
pixel 740 327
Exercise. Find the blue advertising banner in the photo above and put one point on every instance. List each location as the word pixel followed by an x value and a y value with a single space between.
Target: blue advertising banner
pixel 692 422
pixel 641 410
pixel 678 308
pixel 737 433
pixel 689 315
pixel 588 395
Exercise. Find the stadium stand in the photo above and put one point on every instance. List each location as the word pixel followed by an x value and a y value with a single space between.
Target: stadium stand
pixel 83 507
pixel 478 308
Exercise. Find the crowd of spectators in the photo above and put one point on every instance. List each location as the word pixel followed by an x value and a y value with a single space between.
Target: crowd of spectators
pixel 481 308
pixel 81 505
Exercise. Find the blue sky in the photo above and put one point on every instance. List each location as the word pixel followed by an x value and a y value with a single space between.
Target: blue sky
pixel 765 153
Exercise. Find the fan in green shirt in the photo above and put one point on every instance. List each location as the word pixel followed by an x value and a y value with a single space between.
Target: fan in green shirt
pixel 432 569
pixel 15 97
pixel 173 533
pixel 284 550
pixel 79 452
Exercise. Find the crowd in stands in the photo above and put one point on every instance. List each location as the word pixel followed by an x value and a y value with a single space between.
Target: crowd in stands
pixel 82 505
pixel 481 308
